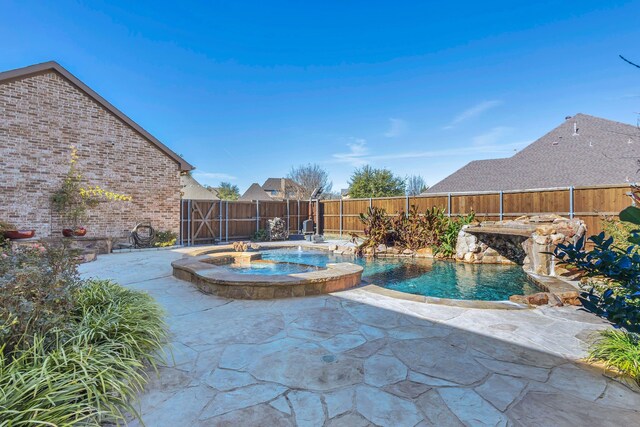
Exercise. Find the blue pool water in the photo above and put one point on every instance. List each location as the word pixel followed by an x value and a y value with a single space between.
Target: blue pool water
pixel 271 268
pixel 443 279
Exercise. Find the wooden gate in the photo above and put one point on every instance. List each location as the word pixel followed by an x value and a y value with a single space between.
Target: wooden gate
pixel 205 222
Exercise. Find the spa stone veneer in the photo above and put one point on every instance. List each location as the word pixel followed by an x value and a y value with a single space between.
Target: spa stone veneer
pixel 209 274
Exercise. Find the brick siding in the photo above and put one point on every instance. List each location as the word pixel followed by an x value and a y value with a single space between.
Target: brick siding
pixel 41 116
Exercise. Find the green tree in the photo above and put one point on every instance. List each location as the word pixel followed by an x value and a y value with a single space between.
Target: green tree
pixel 372 182
pixel 228 191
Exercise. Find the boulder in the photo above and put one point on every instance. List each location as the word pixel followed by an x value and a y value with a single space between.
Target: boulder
pixel 540 298
pixel 424 253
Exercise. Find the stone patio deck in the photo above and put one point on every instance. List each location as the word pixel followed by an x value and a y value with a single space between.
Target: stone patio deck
pixel 358 358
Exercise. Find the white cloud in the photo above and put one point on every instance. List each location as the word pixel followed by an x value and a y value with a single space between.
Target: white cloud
pixel 472 112
pixel 356 156
pixel 362 158
pixel 213 178
pixel 397 127
pixel 490 137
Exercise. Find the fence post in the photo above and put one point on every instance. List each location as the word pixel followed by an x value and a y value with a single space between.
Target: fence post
pixel 501 206
pixel 288 219
pixel 340 216
pixel 298 216
pixel 257 215
pixel 370 202
pixel 189 235
pixel 226 216
pixel 449 205
pixel 407 207
pixel 181 219
pixel 220 221
pixel 571 202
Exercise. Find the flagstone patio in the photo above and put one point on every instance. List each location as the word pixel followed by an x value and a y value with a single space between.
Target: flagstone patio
pixel 358 358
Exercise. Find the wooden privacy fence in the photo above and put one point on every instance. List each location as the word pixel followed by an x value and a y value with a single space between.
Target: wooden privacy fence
pixel 586 203
pixel 208 221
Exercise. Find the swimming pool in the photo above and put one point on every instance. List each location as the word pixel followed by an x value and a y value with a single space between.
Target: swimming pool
pixel 442 279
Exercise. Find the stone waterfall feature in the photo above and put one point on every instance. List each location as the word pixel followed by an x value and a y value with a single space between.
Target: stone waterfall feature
pixel 527 241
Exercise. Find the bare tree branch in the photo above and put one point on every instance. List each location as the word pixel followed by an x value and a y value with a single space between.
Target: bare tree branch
pixel 629 62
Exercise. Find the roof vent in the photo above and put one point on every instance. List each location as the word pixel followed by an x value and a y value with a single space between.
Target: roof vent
pixel 567 117
pixel 575 129
pixel 630 141
pixel 555 143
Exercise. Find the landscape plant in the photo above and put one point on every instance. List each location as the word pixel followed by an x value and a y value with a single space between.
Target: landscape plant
pixel 413 230
pixel 613 269
pixel 72 199
pixel 165 239
pixel 72 352
pixel 619 350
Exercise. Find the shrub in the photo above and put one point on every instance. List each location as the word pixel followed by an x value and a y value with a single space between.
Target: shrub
pixel 260 236
pixel 378 228
pixel 620 231
pixel 36 292
pixel 165 239
pixel 619 350
pixel 449 231
pixel 617 272
pixel 91 370
pixel 413 230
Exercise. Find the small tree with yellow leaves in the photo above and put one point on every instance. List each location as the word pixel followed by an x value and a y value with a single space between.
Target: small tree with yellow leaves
pixel 72 199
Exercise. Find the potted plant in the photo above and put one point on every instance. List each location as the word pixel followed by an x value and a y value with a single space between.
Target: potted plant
pixel 72 200
pixel 9 231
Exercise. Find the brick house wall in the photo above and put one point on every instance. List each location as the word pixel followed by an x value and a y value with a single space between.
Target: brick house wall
pixel 41 116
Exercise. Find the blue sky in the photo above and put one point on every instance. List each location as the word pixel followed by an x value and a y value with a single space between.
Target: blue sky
pixel 245 90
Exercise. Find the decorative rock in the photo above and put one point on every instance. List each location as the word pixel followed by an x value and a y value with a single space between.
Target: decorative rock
pixel 424 253
pixel 520 299
pixel 540 298
pixel 569 298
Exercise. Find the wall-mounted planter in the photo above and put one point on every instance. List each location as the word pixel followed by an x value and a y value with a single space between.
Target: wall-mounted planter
pixel 19 234
pixel 74 232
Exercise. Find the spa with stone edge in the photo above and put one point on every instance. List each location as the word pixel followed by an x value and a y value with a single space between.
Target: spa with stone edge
pixel 245 275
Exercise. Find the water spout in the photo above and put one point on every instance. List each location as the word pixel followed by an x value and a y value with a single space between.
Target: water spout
pixel 299 248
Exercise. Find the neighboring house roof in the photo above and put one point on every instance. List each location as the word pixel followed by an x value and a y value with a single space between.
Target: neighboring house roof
pixel 255 192
pixel 45 67
pixel 193 190
pixel 601 152
pixel 282 188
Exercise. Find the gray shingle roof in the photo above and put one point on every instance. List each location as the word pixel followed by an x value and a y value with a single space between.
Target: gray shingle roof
pixel 272 184
pixel 193 190
pixel 601 152
pixel 255 192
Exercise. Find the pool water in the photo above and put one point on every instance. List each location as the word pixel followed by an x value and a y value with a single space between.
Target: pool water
pixel 270 268
pixel 443 279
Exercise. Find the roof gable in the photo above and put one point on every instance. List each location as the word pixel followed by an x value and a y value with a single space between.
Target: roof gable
pixel 32 70
pixel 255 192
